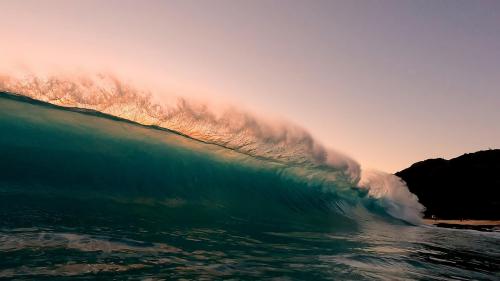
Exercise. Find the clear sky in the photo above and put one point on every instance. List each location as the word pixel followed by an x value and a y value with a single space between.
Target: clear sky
pixel 387 82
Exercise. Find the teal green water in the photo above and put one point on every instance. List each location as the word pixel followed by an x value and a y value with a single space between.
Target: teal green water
pixel 87 196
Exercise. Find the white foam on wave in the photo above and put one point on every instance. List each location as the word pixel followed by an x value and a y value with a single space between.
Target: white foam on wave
pixel 393 195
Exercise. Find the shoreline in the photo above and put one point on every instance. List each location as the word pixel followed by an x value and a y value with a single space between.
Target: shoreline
pixel 480 225
pixel 463 222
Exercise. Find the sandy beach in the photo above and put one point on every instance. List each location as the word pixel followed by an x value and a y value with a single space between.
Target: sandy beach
pixel 464 222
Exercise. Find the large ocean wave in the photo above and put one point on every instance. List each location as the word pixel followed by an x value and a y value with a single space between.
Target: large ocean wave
pixel 287 155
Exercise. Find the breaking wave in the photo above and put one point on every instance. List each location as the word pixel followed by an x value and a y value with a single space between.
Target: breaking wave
pixel 280 143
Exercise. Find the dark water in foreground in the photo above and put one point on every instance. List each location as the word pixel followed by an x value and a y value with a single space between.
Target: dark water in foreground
pixel 86 197
pixel 122 252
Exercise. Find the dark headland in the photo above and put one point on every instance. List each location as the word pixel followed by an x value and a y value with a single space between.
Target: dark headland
pixel 462 188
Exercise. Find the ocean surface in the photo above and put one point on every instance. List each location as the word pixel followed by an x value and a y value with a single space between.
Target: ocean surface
pixel 85 195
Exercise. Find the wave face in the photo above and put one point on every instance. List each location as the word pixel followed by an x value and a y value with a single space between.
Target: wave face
pixel 84 194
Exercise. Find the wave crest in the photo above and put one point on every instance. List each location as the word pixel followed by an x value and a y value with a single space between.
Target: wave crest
pixel 231 128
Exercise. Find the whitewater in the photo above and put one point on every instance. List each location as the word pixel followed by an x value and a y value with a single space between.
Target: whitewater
pixel 97 180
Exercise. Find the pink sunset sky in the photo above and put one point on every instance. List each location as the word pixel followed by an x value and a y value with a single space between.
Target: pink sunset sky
pixel 386 82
